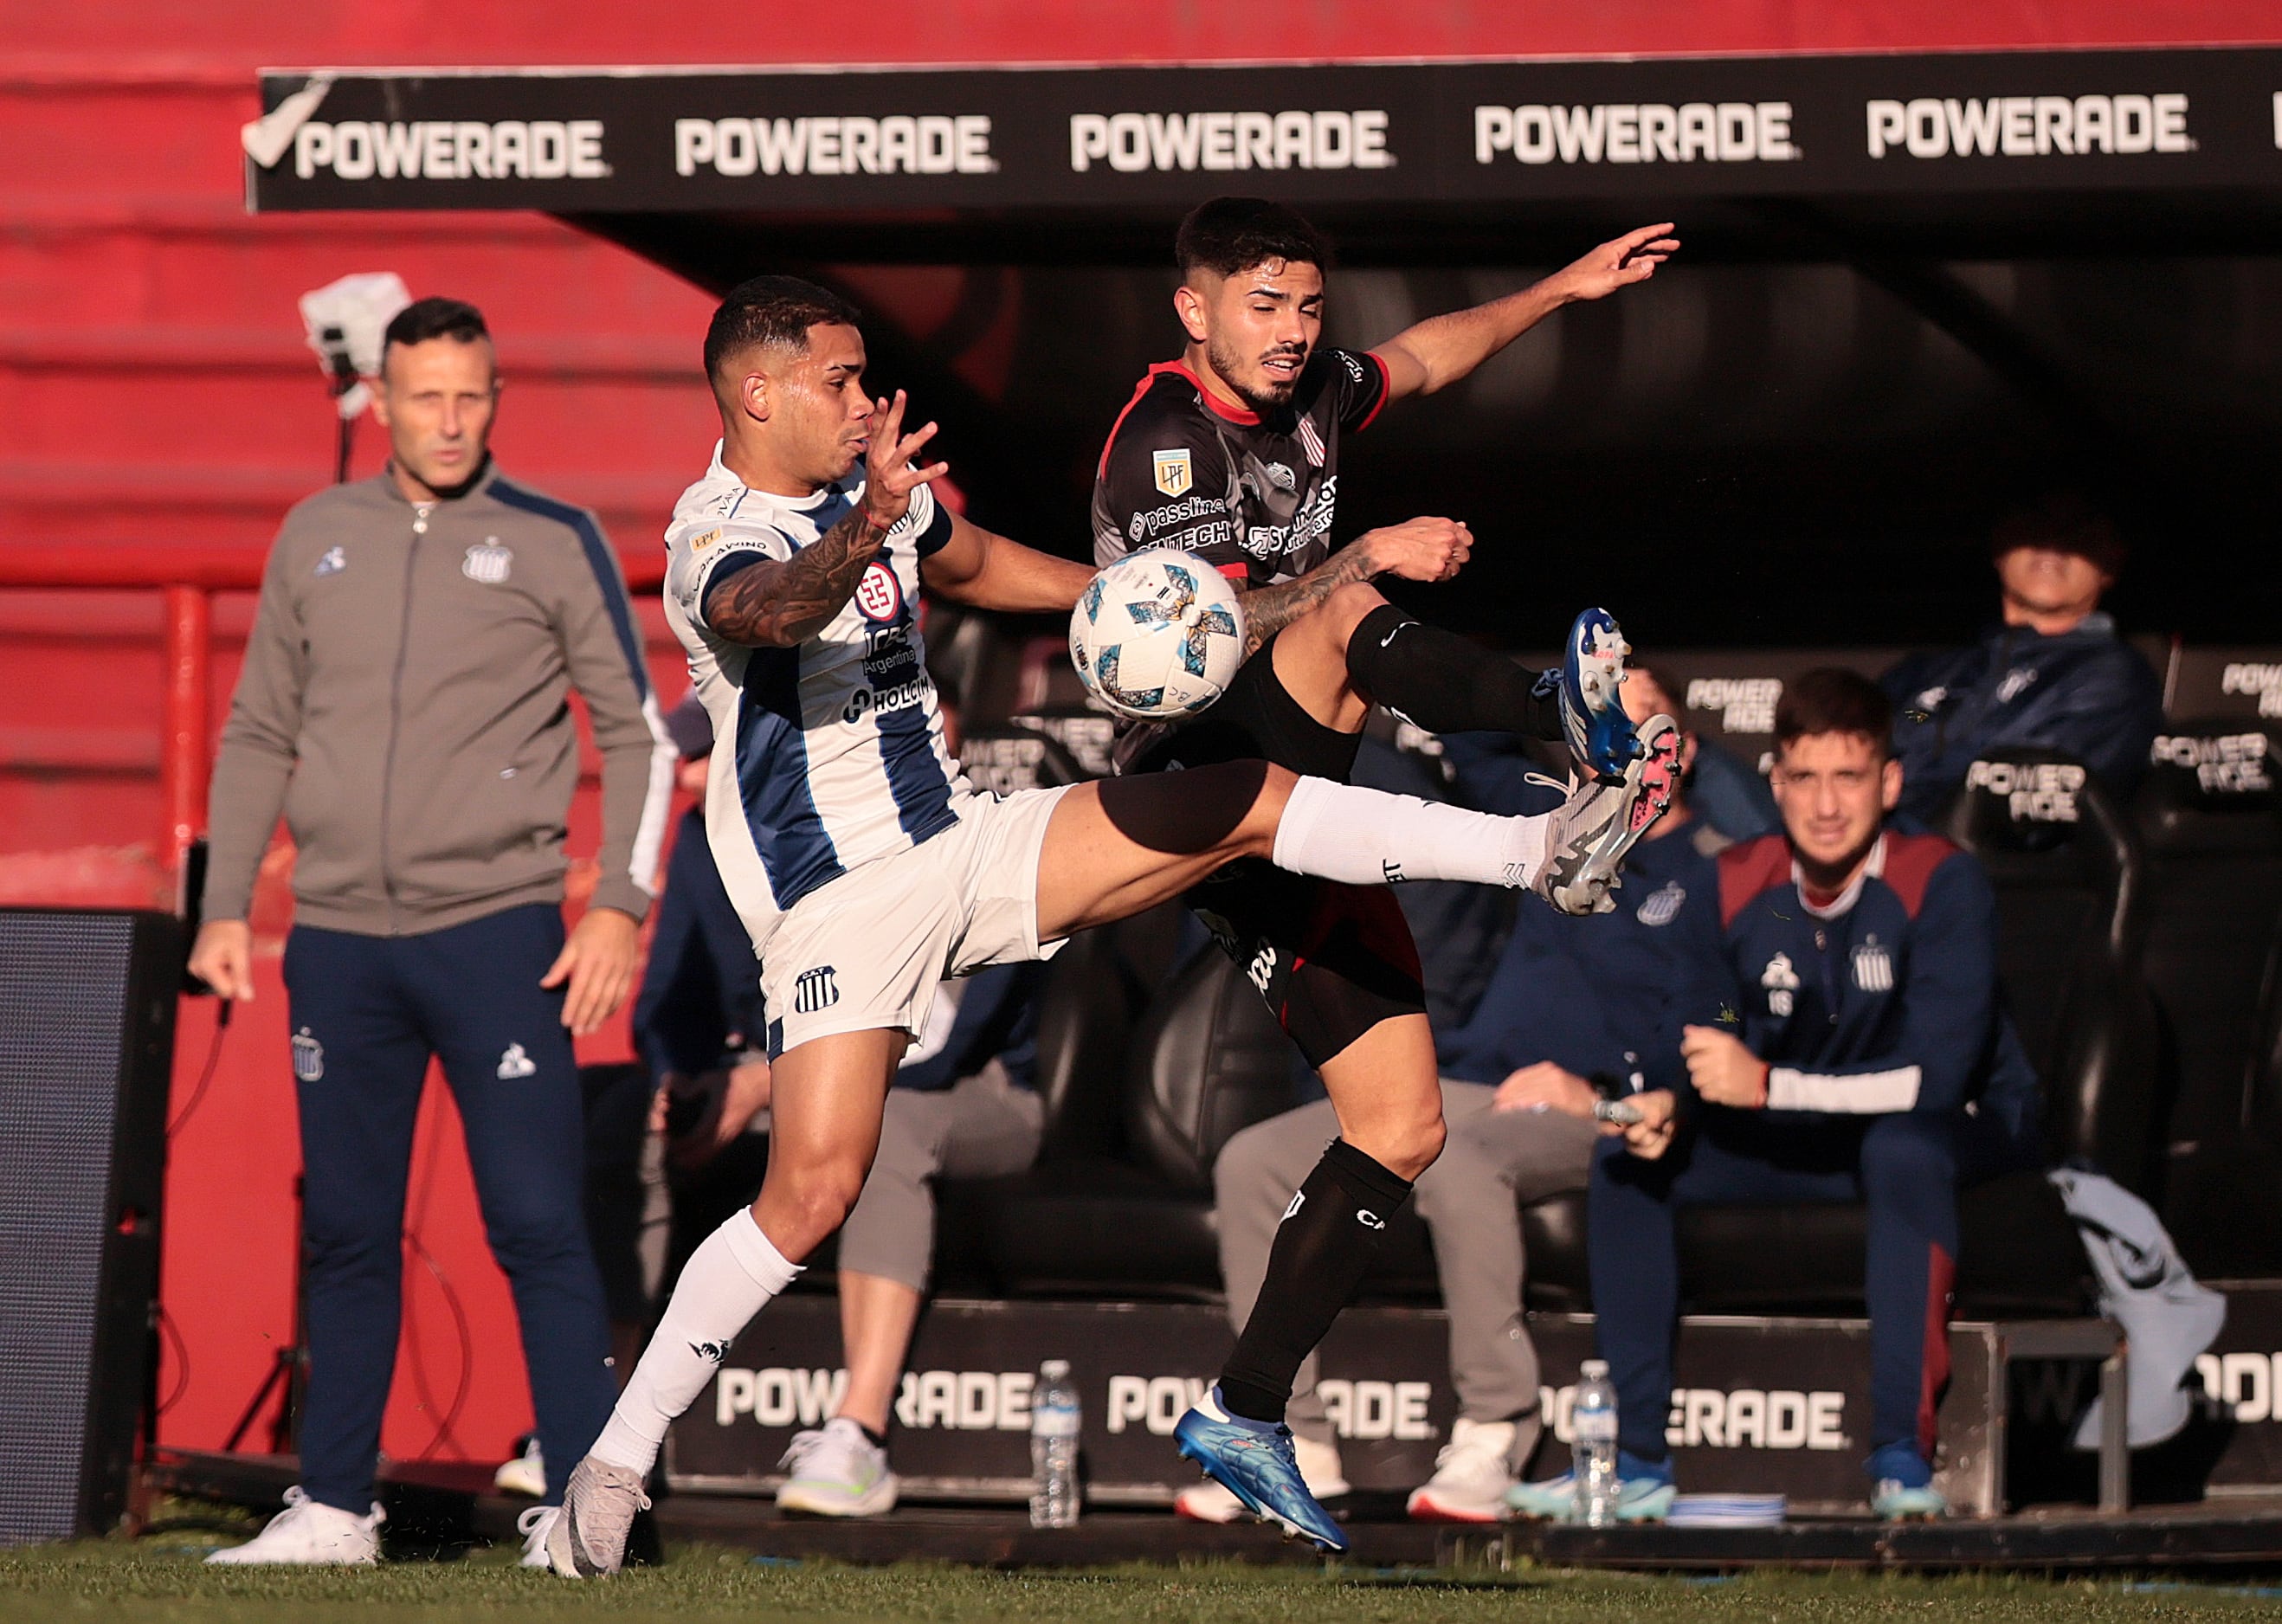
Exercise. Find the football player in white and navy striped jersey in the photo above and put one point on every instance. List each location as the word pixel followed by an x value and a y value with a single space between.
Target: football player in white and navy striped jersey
pixel 863 866
pixel 839 758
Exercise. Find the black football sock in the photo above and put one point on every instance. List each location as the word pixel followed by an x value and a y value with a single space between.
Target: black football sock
pixel 1324 1244
pixel 1446 684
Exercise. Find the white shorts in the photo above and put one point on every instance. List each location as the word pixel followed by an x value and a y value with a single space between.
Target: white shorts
pixel 866 950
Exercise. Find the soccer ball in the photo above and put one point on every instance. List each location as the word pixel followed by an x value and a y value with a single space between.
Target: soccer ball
pixel 1157 634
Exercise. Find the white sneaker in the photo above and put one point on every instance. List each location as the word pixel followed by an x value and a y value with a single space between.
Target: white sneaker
pixel 836 1472
pixel 1471 1475
pixel 1319 1469
pixel 309 1535
pixel 525 1472
pixel 535 1524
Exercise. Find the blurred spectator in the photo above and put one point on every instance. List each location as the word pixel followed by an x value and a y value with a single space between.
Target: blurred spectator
pixel 1856 1054
pixel 1493 772
pixel 2053 674
pixel 403 702
pixel 1572 1007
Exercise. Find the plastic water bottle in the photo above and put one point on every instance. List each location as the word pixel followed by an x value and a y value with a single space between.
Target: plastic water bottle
pixel 1593 1434
pixel 1053 1447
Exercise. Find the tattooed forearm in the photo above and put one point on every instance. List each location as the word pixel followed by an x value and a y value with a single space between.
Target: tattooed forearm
pixel 1268 609
pixel 780 605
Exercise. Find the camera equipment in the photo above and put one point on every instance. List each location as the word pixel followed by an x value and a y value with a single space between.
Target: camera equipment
pixel 348 321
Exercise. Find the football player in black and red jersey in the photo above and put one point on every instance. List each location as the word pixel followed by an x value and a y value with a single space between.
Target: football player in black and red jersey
pixel 1231 453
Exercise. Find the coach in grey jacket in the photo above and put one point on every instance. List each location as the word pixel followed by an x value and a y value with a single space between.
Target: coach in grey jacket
pixel 404 703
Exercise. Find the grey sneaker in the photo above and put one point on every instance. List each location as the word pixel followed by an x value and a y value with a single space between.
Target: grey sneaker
pixel 1593 829
pixel 589 1538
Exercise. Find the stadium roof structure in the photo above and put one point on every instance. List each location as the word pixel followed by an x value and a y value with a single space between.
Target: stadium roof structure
pixel 1781 157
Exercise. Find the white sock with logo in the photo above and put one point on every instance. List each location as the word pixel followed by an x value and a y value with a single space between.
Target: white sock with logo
pixel 1361 836
pixel 727 1279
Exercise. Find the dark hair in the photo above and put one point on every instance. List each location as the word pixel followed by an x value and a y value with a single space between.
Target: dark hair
pixel 1227 234
pixel 1664 685
pixel 433 318
pixel 2065 522
pixel 1833 699
pixel 771 310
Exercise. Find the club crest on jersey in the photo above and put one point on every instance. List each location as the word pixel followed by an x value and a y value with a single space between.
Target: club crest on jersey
pixel 1309 437
pixel 308 1057
pixel 487 563
pixel 1175 475
pixel 1782 982
pixel 879 595
pixel 1874 967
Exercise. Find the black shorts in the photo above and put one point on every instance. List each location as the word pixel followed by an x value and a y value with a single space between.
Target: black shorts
pixel 1332 960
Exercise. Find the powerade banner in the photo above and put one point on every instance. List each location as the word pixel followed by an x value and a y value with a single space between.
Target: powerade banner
pixel 663 140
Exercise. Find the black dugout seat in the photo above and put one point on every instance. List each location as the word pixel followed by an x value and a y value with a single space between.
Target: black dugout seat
pixel 2210 817
pixel 2068 874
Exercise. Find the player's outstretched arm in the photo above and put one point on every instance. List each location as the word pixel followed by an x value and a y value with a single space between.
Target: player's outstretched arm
pixel 984 569
pixel 1419 549
pixel 1442 349
pixel 780 605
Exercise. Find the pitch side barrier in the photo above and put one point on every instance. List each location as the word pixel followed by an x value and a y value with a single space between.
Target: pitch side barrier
pixel 1984 136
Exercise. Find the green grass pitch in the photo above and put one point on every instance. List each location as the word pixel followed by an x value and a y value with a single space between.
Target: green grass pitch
pixel 160 1581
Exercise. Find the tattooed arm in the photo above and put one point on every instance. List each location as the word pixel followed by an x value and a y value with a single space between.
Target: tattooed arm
pixel 774 605
pixel 1421 549
pixel 781 604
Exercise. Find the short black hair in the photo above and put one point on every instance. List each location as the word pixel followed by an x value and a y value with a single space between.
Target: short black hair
pixel 1227 234
pixel 433 317
pixel 1833 699
pixel 771 310
pixel 2065 522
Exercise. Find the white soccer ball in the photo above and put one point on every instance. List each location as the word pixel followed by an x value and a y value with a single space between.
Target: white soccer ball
pixel 1157 634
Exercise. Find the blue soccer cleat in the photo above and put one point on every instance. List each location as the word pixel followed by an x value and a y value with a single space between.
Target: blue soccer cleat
pixel 1253 1461
pixel 1591 672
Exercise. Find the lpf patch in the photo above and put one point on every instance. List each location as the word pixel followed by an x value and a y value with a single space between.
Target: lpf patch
pixel 879 595
pixel 487 563
pixel 1175 475
pixel 308 1057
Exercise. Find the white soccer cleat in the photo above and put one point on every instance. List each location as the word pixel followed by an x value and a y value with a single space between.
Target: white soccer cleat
pixel 1591 831
pixel 307 1535
pixel 588 1539
pixel 1471 1475
pixel 535 1524
pixel 523 1473
pixel 1319 1469
pixel 836 1472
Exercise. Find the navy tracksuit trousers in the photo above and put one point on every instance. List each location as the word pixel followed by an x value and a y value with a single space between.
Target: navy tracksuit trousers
pixel 1906 1170
pixel 367 1013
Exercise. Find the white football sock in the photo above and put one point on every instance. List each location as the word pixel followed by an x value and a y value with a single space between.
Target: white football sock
pixel 1363 836
pixel 733 1271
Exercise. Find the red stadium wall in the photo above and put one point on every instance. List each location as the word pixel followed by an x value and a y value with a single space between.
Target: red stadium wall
pixel 154 390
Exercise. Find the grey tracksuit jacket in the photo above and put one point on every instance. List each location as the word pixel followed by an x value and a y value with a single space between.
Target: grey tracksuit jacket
pixel 403 702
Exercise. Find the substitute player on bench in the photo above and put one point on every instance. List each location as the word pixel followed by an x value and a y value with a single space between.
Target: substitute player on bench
pixel 861 863
pixel 1231 453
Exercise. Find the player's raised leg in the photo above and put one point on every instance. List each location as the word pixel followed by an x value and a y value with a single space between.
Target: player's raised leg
pixel 1356 649
pixel 826 1098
